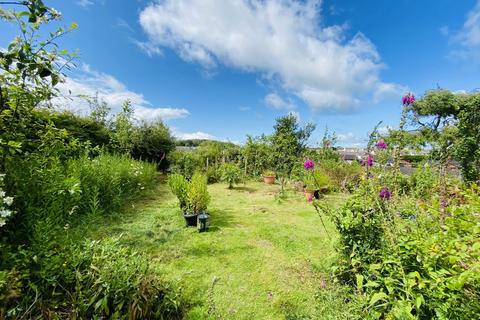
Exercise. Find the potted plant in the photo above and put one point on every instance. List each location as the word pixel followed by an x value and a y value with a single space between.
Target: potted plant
pixel 179 187
pixel 269 177
pixel 197 198
pixel 309 187
pixel 322 181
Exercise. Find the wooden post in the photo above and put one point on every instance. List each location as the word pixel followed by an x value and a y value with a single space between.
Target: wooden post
pixel 246 161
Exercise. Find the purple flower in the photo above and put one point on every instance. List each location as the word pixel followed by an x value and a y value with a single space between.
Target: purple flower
pixel 385 194
pixel 381 144
pixel 408 99
pixel 362 163
pixel 370 160
pixel 309 164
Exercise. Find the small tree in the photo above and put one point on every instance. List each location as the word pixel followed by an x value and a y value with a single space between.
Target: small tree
pixel 288 144
pixel 231 174
pixel 122 129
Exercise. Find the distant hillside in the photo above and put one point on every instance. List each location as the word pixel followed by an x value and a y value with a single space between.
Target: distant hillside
pixel 198 142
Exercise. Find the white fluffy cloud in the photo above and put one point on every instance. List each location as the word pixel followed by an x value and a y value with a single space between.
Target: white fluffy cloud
pixel 349 139
pixel 277 102
pixel 88 83
pixel 194 135
pixel 281 39
pixel 469 36
pixel 149 48
pixel 467 40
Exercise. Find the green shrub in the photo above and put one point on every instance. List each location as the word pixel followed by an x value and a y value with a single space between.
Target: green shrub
pixel 152 142
pixel 424 181
pixel 231 174
pixel 405 261
pixel 269 173
pixel 184 163
pixel 343 176
pixel 107 182
pixel 213 174
pixel 179 187
pixel 90 280
pixel 198 196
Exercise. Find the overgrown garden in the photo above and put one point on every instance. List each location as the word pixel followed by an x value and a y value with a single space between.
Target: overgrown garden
pixel 401 246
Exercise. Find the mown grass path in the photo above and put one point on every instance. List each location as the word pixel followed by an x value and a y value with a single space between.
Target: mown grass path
pixel 269 258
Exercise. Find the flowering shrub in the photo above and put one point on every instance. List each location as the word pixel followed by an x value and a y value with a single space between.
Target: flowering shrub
pixel 385 194
pixel 5 203
pixel 308 164
pixel 381 144
pixel 408 99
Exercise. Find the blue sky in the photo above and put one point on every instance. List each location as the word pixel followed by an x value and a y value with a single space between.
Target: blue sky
pixel 227 68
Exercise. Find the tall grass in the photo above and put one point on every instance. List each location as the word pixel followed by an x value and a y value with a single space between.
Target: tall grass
pixel 45 273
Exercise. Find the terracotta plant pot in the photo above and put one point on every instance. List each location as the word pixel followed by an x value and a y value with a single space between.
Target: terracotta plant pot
pixel 269 179
pixel 309 196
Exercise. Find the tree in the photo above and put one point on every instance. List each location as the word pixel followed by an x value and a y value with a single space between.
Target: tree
pixel 30 68
pixel 152 142
pixel 256 155
pixel 288 144
pixel 450 123
pixel 99 109
pixel 122 129
pixel 467 149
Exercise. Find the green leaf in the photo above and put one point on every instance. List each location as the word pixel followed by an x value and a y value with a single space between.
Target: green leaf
pixel 55 79
pixel 419 301
pixel 377 297
pixel 45 72
pixel 359 278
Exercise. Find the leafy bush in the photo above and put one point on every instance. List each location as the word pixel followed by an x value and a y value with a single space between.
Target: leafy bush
pixel 343 176
pixel 87 281
pixel 107 182
pixel 405 261
pixel 198 197
pixel 179 187
pixel 152 142
pixel 184 163
pixel 424 181
pixel 231 174
pixel 85 129
pixel 213 174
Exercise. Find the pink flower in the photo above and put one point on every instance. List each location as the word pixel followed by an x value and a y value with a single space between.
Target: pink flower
pixel 309 164
pixel 370 160
pixel 385 194
pixel 381 144
pixel 408 99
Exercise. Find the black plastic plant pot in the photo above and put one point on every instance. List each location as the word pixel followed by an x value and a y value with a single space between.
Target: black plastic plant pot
pixel 190 219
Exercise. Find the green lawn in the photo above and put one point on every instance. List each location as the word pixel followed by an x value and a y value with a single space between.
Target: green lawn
pixel 261 259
